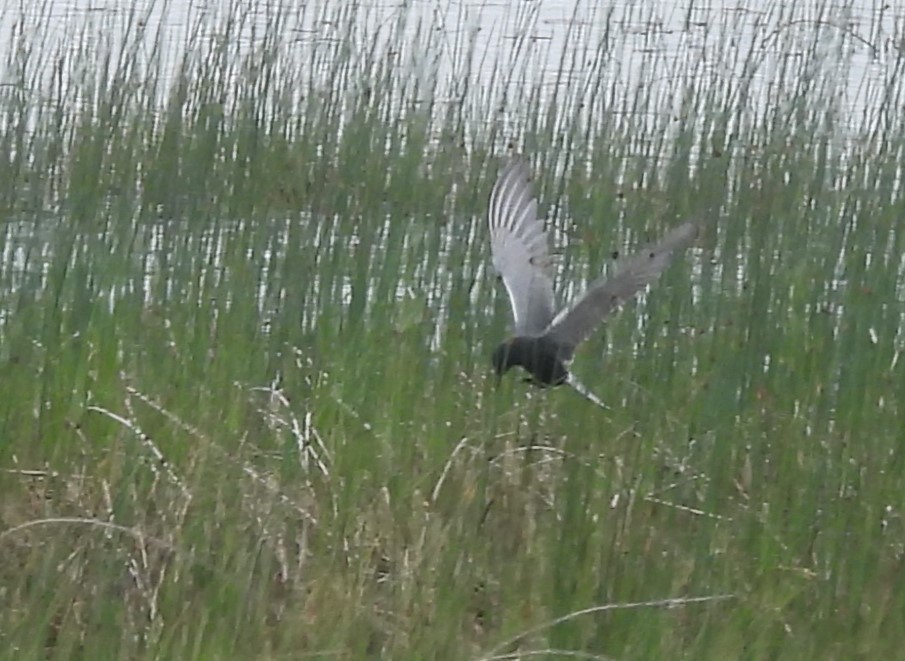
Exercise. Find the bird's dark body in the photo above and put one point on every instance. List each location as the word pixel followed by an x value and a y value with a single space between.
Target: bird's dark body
pixel 539 356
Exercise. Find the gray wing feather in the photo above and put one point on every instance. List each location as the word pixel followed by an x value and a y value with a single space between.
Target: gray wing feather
pixel 520 249
pixel 575 322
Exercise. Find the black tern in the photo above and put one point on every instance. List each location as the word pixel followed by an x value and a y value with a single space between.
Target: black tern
pixel 544 341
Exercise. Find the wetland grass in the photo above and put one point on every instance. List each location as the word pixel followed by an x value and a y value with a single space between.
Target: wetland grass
pixel 245 314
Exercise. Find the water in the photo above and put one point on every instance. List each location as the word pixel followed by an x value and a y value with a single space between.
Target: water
pixel 622 48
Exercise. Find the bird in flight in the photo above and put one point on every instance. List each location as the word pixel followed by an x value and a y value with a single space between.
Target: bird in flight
pixel 544 340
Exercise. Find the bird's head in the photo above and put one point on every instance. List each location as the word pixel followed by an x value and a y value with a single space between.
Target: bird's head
pixel 502 358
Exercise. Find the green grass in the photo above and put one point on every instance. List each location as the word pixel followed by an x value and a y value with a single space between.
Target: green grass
pixel 246 313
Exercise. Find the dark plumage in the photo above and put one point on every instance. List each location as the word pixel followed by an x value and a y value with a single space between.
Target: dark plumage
pixel 544 342
pixel 539 356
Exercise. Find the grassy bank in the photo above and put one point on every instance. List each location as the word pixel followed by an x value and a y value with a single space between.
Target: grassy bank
pixel 246 313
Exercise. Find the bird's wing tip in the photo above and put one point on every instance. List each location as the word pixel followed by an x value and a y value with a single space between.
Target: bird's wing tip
pixel 580 388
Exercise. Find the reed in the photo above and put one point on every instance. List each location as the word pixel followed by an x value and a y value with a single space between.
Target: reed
pixel 247 308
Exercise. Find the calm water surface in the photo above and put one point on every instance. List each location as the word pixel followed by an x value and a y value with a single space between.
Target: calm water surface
pixel 555 43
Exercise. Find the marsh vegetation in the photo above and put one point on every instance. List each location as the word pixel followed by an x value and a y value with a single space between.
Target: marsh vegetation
pixel 246 314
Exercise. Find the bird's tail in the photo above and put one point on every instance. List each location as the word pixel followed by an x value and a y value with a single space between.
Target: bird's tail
pixel 580 388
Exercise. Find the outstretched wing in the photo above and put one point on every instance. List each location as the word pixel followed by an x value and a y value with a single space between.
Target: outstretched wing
pixel 520 249
pixel 575 322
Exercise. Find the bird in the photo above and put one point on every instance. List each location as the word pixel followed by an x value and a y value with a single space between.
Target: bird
pixel 544 340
